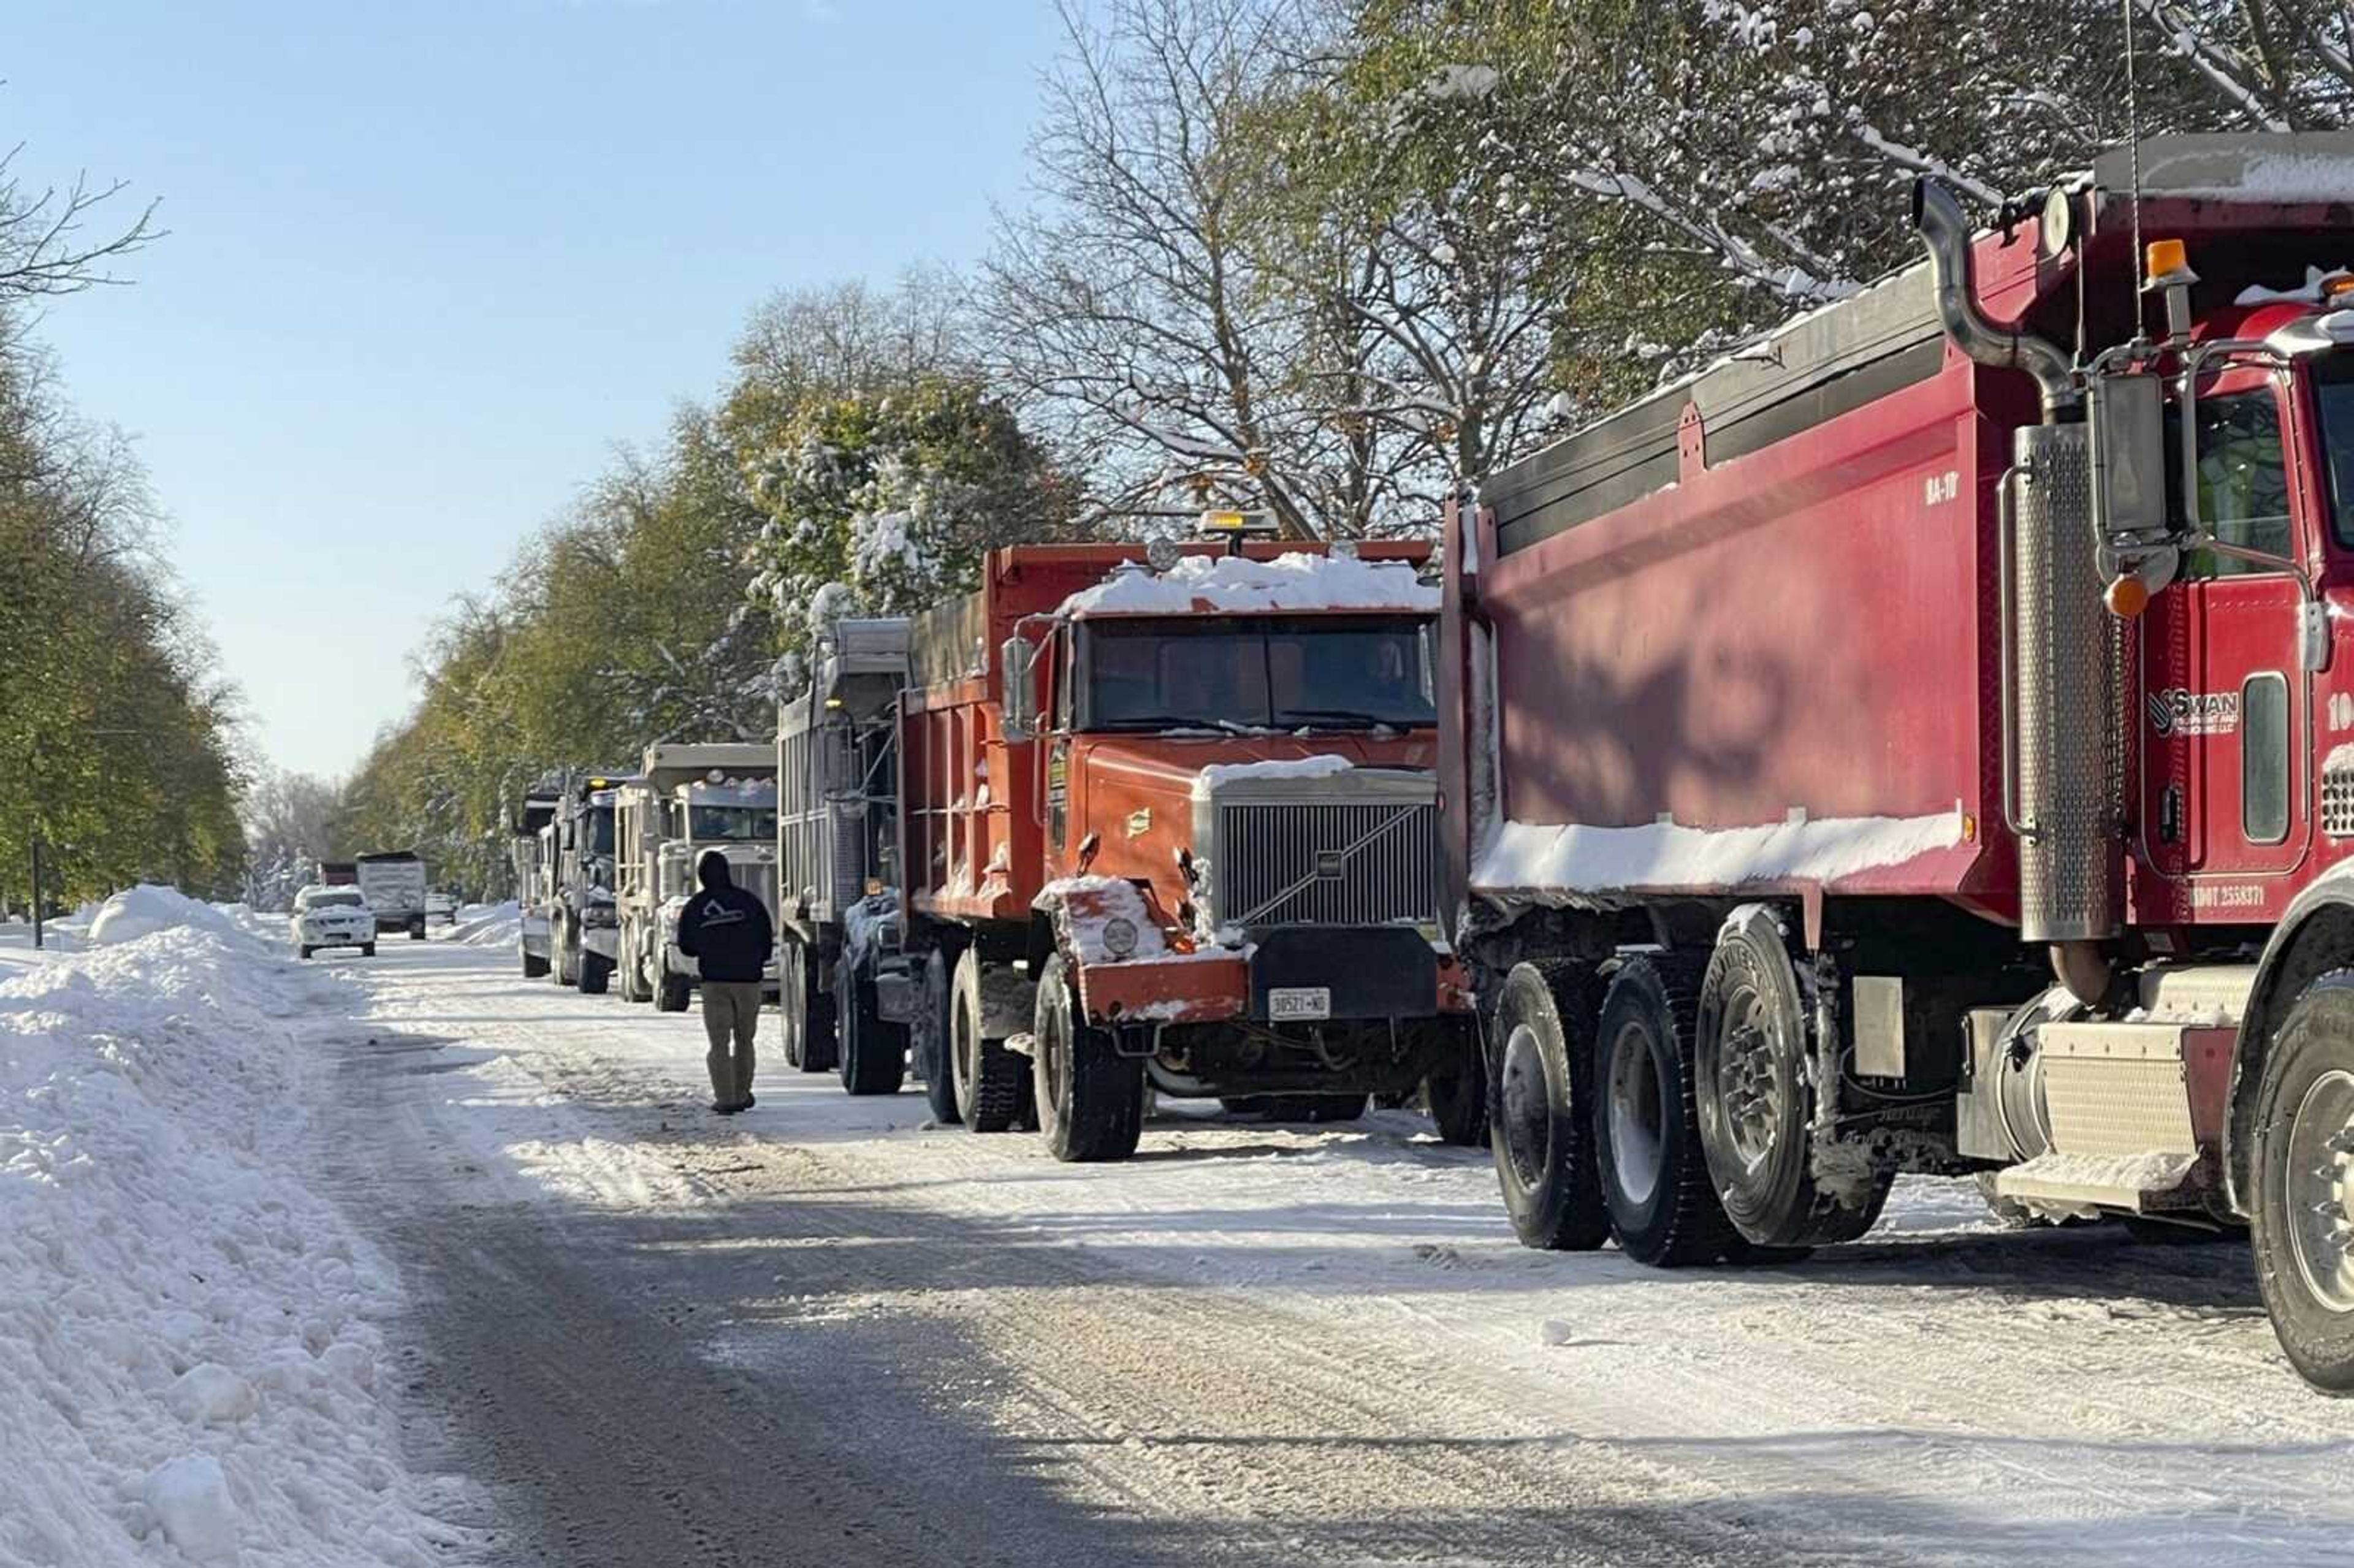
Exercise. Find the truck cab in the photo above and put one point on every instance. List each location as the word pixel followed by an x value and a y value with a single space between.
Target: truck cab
pixel 584 934
pixel 532 851
pixel 687 797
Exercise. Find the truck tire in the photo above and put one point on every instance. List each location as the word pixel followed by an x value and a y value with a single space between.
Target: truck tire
pixel 1456 1095
pixel 416 929
pixel 2303 1227
pixel 1541 1124
pixel 931 1043
pixel 988 1076
pixel 1754 1089
pixel 1090 1098
pixel 1654 1174
pixel 596 974
pixel 874 1054
pixel 305 952
pixel 368 949
pixel 566 974
pixel 533 967
pixel 671 991
pixel 809 1013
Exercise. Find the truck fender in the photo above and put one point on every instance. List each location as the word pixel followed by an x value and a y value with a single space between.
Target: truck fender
pixel 2314 936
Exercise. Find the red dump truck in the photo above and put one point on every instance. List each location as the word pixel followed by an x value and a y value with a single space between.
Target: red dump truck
pixel 1899 749
pixel 1166 821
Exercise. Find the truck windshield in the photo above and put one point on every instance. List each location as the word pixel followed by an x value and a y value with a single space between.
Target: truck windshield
pixel 600 830
pixel 755 823
pixel 1324 672
pixel 2333 395
pixel 2243 479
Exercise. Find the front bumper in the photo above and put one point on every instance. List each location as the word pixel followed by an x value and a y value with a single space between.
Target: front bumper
pixel 1348 974
pixel 336 937
pixel 605 941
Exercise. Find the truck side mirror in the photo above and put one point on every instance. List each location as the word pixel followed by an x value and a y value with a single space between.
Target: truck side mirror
pixel 2128 415
pixel 1017 702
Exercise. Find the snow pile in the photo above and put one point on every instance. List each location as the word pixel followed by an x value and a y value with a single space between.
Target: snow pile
pixel 1533 859
pixel 1206 782
pixel 188 1356
pixel 2315 290
pixel 489 924
pixel 1086 906
pixel 868 922
pixel 144 910
pixel 1234 585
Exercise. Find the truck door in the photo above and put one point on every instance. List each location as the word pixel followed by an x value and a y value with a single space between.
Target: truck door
pixel 2225 702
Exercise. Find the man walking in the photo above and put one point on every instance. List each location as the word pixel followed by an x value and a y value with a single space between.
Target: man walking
pixel 726 931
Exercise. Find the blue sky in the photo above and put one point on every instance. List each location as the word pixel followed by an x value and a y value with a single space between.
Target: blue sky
pixel 430 262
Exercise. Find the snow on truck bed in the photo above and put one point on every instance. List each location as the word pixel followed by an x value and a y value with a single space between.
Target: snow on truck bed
pixel 1234 585
pixel 188 1350
pixel 1537 858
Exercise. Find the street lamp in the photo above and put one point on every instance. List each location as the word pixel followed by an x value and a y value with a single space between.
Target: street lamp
pixel 39 938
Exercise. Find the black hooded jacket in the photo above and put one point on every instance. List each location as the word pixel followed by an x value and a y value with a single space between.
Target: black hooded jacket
pixel 724 926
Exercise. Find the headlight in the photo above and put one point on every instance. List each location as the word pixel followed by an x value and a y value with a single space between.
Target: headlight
pixel 1120 936
pixel 599 914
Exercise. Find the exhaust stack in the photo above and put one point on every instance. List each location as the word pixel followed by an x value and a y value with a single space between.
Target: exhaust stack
pixel 2059 702
pixel 1946 230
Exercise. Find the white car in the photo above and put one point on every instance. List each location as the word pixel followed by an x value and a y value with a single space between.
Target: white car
pixel 333 918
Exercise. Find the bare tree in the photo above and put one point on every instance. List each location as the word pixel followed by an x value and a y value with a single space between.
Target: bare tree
pixel 1130 308
pixel 47 245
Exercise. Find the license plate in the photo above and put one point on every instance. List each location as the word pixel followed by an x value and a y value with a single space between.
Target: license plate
pixel 1293 1003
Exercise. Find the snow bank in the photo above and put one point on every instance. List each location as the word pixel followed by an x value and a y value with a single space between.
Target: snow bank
pixel 1233 585
pixel 489 924
pixel 1206 782
pixel 189 1355
pixel 144 910
pixel 1528 858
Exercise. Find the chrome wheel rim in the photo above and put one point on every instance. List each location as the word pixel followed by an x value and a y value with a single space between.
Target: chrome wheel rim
pixel 1637 1118
pixel 2320 1157
pixel 1749 1088
pixel 1527 1107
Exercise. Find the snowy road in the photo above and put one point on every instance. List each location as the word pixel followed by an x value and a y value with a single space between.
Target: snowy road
pixel 823 1334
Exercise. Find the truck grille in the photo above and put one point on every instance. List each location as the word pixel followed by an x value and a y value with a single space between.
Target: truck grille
pixel 1326 864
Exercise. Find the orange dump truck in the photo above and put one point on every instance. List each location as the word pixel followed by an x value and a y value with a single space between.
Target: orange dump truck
pixel 1167 821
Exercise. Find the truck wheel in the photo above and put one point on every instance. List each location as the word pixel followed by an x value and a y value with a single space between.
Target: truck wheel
pixel 566 974
pixel 368 949
pixel 931 1048
pixel 671 991
pixel 533 967
pixel 873 1053
pixel 1753 1092
pixel 809 1013
pixel 1542 1127
pixel 1654 1174
pixel 416 929
pixel 988 1076
pixel 1456 1094
pixel 596 974
pixel 305 952
pixel 1090 1098
pixel 2304 1223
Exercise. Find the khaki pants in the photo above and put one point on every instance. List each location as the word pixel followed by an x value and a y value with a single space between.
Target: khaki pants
pixel 731 1008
